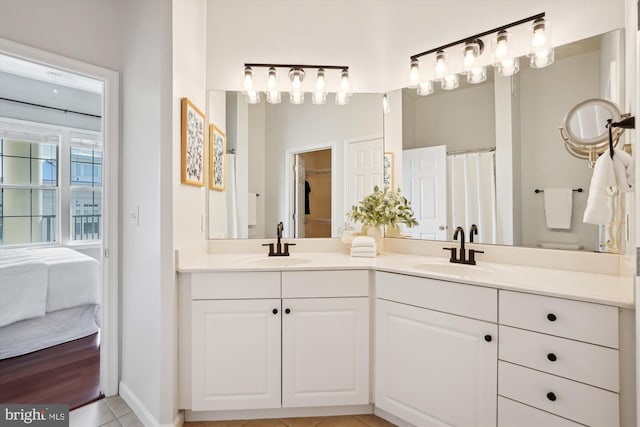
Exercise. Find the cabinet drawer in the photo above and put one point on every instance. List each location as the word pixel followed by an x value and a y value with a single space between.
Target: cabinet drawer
pixel 318 284
pixel 582 321
pixel 465 300
pixel 578 402
pixel 253 285
pixel 575 360
pixel 514 414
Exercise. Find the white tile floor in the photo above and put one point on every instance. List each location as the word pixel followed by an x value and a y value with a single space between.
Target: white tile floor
pixel 108 412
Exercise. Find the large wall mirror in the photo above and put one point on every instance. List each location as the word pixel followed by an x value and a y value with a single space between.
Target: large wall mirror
pixel 292 163
pixel 488 147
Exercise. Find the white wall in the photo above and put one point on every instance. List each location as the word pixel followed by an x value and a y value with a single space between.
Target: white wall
pixel 393 127
pixel 545 162
pixel 258 167
pixel 217 210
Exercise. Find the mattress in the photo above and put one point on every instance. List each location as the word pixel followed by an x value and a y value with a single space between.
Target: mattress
pixel 54 328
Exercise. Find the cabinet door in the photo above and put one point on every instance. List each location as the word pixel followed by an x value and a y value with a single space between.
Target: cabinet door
pixel 433 368
pixel 236 354
pixel 325 351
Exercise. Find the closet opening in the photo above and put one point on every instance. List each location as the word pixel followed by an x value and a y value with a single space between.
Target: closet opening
pixel 312 195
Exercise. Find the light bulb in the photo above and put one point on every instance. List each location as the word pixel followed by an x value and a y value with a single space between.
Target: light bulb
pixel 414 73
pixel 501 49
pixel 296 83
pixel 342 98
pixel 248 80
pixel 319 98
pixel 469 57
pixel 539 34
pixel 477 75
pixel 425 88
pixel 296 75
pixel 320 83
pixel 450 82
pixel 441 65
pixel 345 84
pixel 272 81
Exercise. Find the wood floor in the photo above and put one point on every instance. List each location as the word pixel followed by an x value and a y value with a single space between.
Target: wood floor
pixel 339 421
pixel 68 373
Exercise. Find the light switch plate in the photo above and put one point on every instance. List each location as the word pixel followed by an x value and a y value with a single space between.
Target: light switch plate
pixel 133 217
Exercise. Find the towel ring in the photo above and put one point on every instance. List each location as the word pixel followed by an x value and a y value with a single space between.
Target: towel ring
pixel 584 130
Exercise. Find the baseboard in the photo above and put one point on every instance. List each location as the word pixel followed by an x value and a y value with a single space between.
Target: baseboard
pixel 254 414
pixel 391 418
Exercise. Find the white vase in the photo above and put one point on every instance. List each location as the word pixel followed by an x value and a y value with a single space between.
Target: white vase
pixel 376 233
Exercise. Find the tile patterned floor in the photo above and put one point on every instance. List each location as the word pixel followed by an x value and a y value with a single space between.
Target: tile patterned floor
pixel 109 412
pixel 341 421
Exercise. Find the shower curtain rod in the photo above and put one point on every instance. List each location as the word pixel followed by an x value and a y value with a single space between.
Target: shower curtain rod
pixel 480 150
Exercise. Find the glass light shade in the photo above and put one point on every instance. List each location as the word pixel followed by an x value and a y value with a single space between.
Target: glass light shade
pixel 502 46
pixel 414 73
pixel 247 83
pixel 296 97
pixel 540 34
pixel 272 80
pixel 472 50
pixel 253 97
pixel 450 82
pixel 425 88
pixel 319 98
pixel 274 97
pixel 345 84
pixel 541 58
pixel 342 98
pixel 441 65
pixel 508 67
pixel 296 75
pixel 320 82
pixel 477 75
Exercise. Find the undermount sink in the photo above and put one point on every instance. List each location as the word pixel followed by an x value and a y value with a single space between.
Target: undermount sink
pixel 275 261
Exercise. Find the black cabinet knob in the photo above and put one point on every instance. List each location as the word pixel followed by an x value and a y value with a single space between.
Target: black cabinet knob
pixel 287 311
pixel 551 317
pixel 551 396
pixel 552 357
pixel 488 338
pixel 275 311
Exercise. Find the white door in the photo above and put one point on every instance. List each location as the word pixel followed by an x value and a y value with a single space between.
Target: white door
pixel 364 170
pixel 236 354
pixel 325 352
pixel 433 368
pixel 425 185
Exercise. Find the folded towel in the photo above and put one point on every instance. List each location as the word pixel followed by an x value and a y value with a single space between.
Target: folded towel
pixel 363 241
pixel 624 169
pixel 364 254
pixel 603 186
pixel 363 250
pixel 557 207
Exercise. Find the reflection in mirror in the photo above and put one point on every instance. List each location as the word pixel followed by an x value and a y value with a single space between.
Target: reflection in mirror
pixel 304 165
pixel 476 155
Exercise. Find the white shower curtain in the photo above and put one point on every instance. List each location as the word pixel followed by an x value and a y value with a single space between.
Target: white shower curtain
pixel 233 228
pixel 472 194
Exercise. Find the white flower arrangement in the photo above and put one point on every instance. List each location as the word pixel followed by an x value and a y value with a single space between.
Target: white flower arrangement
pixel 383 207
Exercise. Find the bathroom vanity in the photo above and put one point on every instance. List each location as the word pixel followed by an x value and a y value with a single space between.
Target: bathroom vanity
pixel 413 338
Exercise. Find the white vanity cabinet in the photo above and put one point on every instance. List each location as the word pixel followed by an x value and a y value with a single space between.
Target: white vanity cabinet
pixel 436 351
pixel 558 356
pixel 259 340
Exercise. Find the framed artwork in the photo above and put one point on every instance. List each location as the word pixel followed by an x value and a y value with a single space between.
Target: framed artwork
pixel 192 144
pixel 387 172
pixel 217 151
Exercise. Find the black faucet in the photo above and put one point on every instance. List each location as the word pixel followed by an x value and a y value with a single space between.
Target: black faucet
pixel 474 230
pixel 278 251
pixel 462 256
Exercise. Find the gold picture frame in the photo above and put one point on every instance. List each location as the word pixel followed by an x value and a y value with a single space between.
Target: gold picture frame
pixel 217 158
pixel 193 128
pixel 387 171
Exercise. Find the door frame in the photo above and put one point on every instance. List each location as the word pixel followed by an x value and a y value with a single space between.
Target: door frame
pixel 109 366
pixel 289 161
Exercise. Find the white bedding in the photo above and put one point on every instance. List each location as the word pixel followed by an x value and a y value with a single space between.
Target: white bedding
pixel 23 286
pixel 73 278
pixel 55 328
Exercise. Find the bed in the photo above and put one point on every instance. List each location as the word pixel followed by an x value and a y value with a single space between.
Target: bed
pixel 49 330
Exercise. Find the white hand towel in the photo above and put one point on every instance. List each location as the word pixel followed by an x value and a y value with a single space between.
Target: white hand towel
pixel 557 207
pixel 362 250
pixel 603 184
pixel 624 169
pixel 364 254
pixel 363 241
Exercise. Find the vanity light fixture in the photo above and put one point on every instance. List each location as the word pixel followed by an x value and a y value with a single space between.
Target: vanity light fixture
pixel 540 51
pixel 296 75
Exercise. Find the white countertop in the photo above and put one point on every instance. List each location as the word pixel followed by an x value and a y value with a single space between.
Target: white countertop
pixel 591 287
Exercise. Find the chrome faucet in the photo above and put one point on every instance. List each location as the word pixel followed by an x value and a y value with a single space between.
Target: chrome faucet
pixel 461 258
pixel 278 251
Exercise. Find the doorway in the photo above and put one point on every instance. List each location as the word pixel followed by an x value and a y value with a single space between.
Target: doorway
pixel 312 195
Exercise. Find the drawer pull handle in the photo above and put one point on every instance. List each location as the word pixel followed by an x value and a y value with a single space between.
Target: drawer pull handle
pixel 275 311
pixel 488 338
pixel 287 311
pixel 552 357
pixel 551 396
pixel 551 317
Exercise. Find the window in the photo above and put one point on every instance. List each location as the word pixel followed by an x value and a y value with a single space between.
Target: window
pixel 29 191
pixel 50 185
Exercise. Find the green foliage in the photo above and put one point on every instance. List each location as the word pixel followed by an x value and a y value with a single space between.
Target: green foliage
pixel 383 207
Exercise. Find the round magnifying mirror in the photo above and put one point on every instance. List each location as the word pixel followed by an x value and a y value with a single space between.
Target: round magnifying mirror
pixel 586 122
